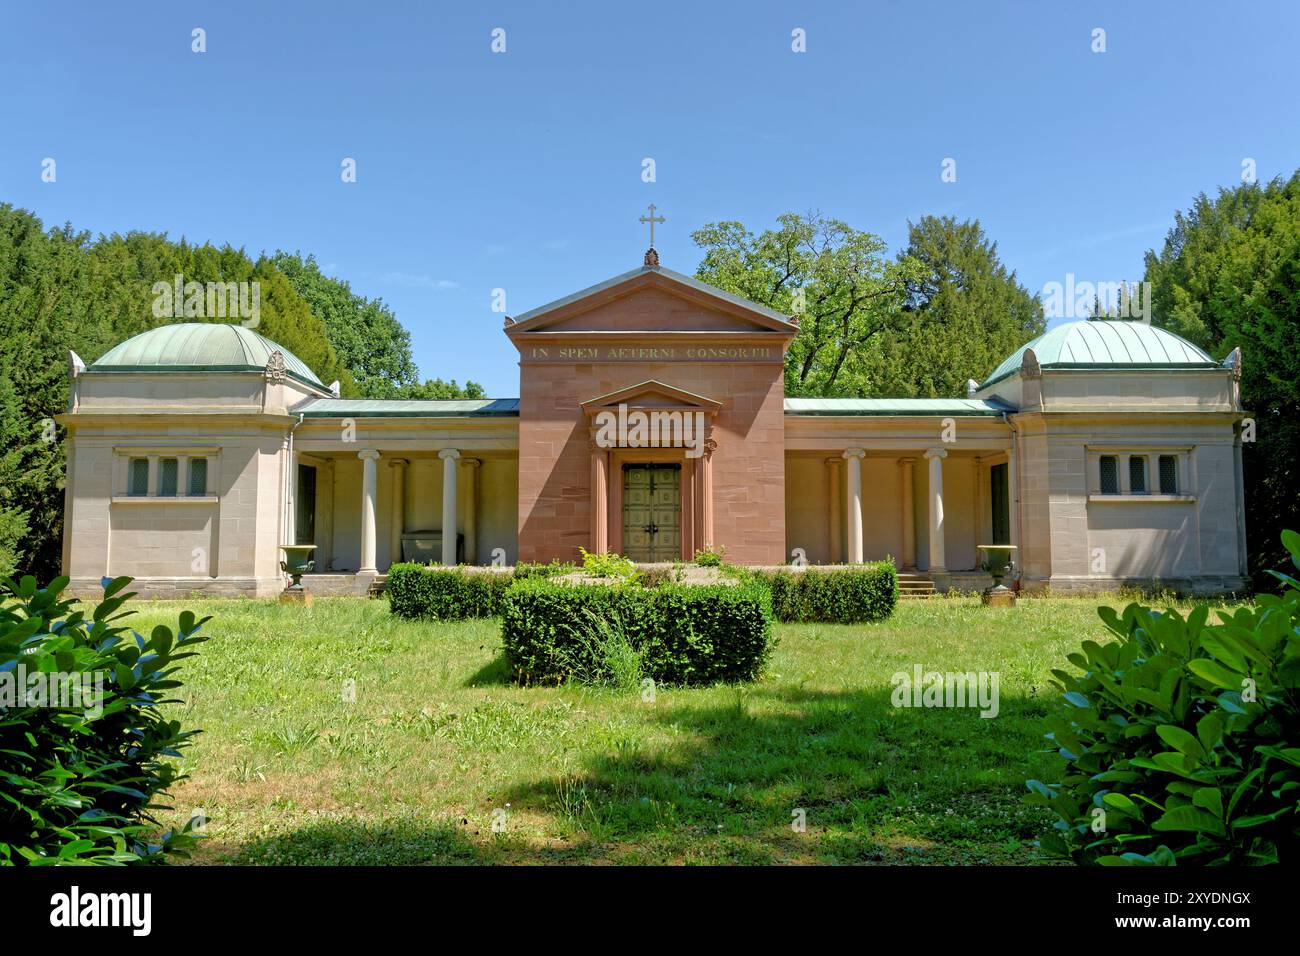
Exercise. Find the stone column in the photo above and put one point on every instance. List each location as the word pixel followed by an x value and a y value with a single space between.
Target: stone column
pixel 599 499
pixel 1013 503
pixel 369 488
pixel 706 493
pixel 291 494
pixel 936 456
pixel 909 513
pixel 471 509
pixel 398 524
pixel 449 457
pixel 979 503
pixel 834 523
pixel 853 503
pixel 1238 487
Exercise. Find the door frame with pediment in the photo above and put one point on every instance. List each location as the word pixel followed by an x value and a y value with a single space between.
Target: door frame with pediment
pixel 696 484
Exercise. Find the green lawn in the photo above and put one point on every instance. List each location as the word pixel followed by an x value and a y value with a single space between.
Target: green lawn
pixel 438 744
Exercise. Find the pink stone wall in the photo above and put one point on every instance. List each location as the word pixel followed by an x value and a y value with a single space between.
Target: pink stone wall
pixel 555 462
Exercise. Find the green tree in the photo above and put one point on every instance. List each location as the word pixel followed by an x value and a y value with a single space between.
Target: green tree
pixel 436 388
pixel 1228 276
pixel 44 306
pixel 965 313
pixel 124 269
pixel 848 294
pixel 364 332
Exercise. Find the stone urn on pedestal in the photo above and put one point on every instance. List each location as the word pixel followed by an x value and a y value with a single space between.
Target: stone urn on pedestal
pixel 998 564
pixel 297 562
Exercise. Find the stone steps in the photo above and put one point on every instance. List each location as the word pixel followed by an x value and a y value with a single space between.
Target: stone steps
pixel 912 584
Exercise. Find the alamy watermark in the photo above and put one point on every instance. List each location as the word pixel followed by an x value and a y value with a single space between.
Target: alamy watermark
pixel 63 690
pixel 179 299
pixel 661 428
pixel 1075 299
pixel 951 689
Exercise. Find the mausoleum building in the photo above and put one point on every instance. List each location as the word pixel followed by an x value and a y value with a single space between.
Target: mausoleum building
pixel 652 420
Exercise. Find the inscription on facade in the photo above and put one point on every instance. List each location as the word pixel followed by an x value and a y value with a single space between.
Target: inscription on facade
pixel 694 353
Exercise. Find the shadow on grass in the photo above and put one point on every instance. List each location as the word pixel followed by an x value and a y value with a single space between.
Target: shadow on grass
pixel 400 842
pixel 724 782
pixel 874 783
pixel 495 673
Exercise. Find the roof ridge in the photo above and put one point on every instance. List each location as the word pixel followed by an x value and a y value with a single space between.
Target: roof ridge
pixel 243 344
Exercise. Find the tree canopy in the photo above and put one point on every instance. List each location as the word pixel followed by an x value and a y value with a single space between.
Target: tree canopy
pixel 366 334
pixel 965 312
pixel 1228 276
pixel 945 309
pixel 374 346
pixel 845 291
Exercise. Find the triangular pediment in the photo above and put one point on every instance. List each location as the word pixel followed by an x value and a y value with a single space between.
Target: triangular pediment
pixel 651 394
pixel 652 299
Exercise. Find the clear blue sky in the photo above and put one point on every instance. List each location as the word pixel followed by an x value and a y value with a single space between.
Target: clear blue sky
pixel 523 170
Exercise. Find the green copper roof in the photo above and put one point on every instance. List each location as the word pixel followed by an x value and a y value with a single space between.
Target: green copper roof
pixel 388 408
pixel 894 406
pixel 199 347
pixel 1112 344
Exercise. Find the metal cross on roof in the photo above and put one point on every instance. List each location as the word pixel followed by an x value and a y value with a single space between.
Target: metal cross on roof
pixel 652 219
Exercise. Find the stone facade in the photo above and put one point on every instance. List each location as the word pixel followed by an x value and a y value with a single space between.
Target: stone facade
pixel 189 478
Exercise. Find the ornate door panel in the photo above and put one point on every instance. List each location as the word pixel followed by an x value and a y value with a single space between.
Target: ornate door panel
pixel 652 512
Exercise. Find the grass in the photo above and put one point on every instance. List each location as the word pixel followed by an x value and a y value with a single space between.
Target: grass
pixel 440 759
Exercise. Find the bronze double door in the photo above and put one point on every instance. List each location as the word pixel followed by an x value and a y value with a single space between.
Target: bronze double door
pixel 652 512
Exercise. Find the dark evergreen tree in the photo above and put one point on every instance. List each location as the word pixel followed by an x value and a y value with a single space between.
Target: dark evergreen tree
pixel 1228 276
pixel 965 312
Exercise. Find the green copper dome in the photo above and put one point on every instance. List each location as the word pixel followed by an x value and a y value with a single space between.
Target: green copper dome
pixel 199 347
pixel 1106 344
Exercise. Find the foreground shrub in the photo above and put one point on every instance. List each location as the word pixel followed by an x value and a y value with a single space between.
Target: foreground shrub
pixel 681 634
pixel 80 774
pixel 607 564
pixel 711 557
pixel 852 595
pixel 1182 739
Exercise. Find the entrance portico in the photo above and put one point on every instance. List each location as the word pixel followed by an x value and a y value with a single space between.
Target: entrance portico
pixel 636 433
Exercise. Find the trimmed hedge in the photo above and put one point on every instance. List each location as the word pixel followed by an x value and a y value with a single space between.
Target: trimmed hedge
pixel 683 634
pixel 455 594
pixel 851 595
pixel 445 594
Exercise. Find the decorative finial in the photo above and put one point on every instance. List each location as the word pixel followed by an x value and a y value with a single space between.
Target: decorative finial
pixel 651 258
pixel 1233 361
pixel 1029 367
pixel 652 219
pixel 275 368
